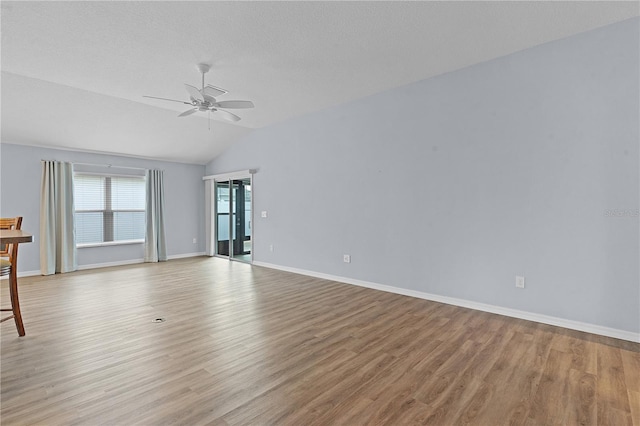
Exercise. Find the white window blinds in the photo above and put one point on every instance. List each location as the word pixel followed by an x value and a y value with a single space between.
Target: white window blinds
pixel 109 208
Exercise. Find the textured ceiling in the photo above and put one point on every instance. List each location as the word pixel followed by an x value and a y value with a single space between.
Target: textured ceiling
pixel 73 73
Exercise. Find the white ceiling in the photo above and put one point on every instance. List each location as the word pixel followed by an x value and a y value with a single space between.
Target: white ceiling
pixel 73 73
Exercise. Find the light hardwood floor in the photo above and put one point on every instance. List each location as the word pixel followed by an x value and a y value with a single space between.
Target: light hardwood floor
pixel 250 345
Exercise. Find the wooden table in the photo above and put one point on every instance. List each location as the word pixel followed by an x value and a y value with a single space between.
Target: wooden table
pixel 11 236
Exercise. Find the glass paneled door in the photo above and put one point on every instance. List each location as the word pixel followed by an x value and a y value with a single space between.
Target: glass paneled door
pixel 233 219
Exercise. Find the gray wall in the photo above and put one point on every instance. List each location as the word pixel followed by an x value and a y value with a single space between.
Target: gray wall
pixel 455 184
pixel 20 177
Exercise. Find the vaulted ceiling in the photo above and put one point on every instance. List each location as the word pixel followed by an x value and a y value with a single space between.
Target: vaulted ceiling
pixel 74 73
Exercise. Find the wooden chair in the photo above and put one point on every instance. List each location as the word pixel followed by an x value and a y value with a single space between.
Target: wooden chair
pixel 9 266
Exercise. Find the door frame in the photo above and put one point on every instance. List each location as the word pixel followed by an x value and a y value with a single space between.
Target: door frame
pixel 211 213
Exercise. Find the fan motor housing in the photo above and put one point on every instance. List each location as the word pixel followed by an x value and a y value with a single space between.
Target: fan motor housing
pixel 203 68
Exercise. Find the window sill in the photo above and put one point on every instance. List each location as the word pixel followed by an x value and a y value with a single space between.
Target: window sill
pixel 110 243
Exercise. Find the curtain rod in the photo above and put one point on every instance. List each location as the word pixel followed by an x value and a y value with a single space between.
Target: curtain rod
pixel 105 165
pixel 109 166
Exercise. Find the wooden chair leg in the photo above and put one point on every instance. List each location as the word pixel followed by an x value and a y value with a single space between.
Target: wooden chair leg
pixel 15 302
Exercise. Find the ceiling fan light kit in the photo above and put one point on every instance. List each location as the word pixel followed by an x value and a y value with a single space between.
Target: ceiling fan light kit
pixel 204 99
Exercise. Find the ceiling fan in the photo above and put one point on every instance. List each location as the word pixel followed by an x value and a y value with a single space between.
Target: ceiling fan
pixel 205 99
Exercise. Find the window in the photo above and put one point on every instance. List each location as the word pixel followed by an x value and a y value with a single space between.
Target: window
pixel 109 209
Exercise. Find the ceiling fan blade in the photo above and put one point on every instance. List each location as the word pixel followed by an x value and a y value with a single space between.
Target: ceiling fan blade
pixel 188 112
pixel 234 104
pixel 226 115
pixel 213 91
pixel 165 99
pixel 194 93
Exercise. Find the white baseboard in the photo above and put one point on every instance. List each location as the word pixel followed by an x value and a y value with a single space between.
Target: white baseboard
pixel 134 261
pixel 24 274
pixel 515 313
pixel 182 256
pixel 109 264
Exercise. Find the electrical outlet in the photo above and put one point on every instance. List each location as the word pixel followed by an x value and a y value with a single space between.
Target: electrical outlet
pixel 263 213
pixel 195 240
pixel 270 247
pixel 519 282
pixel 346 258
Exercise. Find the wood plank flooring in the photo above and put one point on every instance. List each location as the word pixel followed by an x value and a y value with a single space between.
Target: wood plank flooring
pixel 249 345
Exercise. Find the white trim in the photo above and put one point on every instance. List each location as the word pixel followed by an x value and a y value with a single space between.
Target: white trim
pixel 182 256
pixel 134 261
pixel 23 274
pixel 110 243
pixel 209 208
pixel 241 174
pixel 108 264
pixel 515 313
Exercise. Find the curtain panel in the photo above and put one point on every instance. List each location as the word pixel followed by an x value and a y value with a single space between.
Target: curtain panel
pixel 57 232
pixel 155 246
